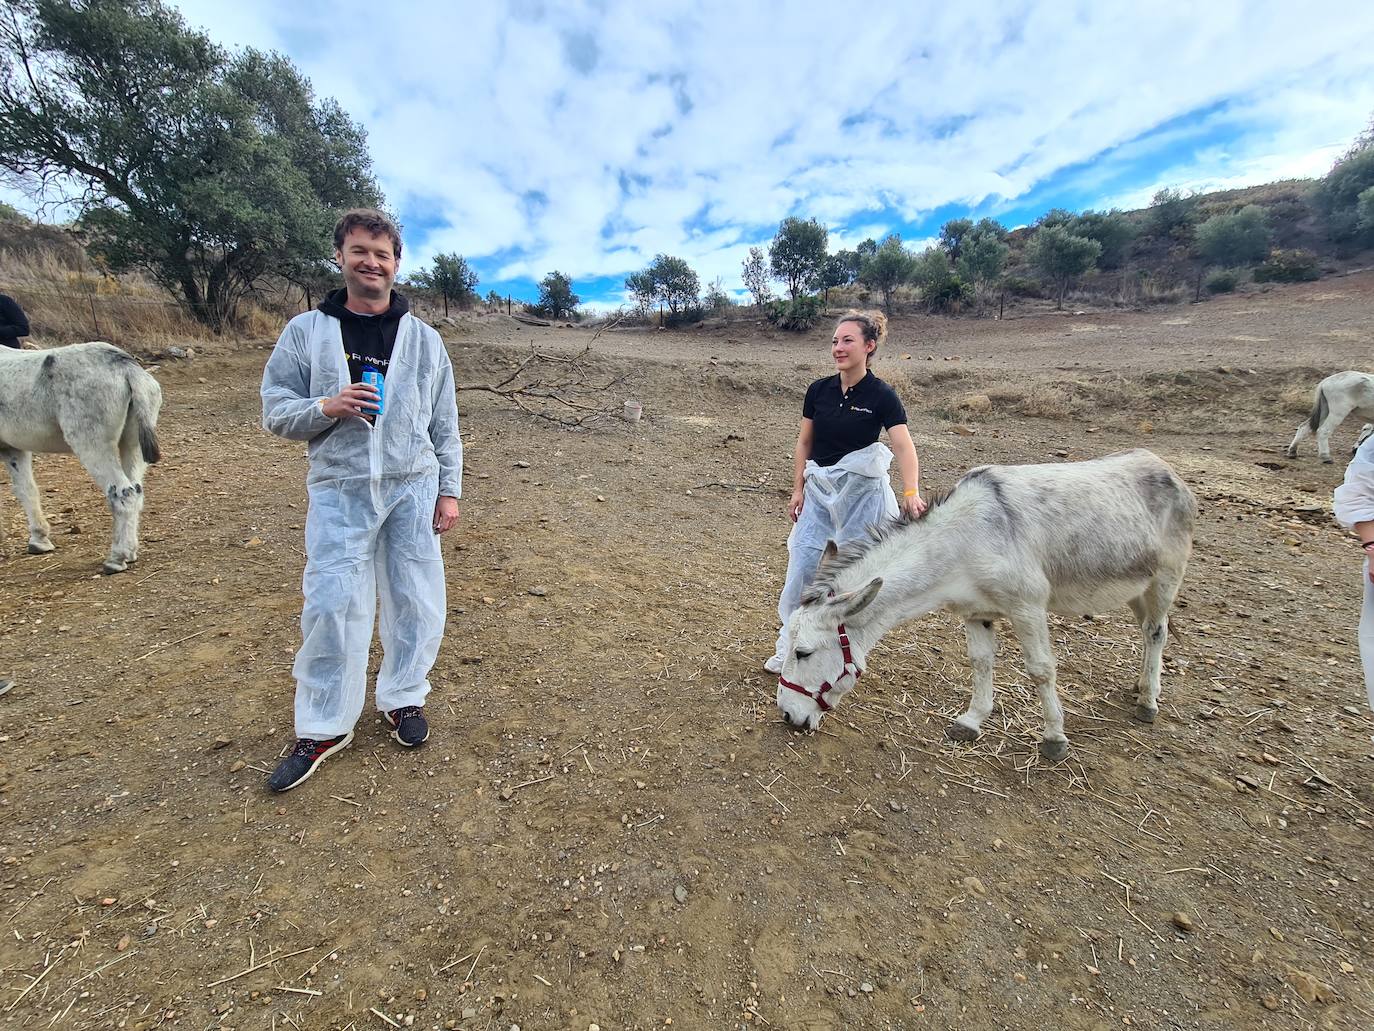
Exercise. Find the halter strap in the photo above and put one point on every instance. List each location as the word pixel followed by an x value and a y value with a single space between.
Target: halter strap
pixel 850 669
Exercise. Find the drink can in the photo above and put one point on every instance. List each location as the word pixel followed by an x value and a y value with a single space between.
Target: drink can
pixel 374 379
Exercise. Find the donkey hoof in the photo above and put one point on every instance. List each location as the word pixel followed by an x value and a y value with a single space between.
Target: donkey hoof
pixel 1144 714
pixel 1053 751
pixel 959 732
pixel 40 549
pixel 110 568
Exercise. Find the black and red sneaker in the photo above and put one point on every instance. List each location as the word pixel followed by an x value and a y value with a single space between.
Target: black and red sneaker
pixel 411 727
pixel 304 759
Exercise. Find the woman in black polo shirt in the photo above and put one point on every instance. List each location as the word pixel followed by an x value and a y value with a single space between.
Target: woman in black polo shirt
pixel 840 484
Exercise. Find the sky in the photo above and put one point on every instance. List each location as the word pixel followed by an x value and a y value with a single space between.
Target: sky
pixel 586 137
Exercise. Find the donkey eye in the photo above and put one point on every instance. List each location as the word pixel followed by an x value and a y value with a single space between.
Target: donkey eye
pixel 803 654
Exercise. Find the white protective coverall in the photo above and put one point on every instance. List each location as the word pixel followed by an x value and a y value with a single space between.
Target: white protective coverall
pixel 1354 503
pixel 840 502
pixel 370 527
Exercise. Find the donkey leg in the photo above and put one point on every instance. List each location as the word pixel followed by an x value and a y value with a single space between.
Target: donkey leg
pixel 1334 417
pixel 123 498
pixel 982 650
pixel 20 465
pixel 131 460
pixel 1033 632
pixel 1152 609
pixel 1304 431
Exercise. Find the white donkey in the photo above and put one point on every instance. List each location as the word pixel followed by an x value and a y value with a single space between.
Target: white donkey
pixel 94 401
pixel 1009 541
pixel 1337 396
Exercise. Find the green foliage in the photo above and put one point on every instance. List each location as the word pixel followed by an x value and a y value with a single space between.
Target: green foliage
pixel 1338 195
pixel 666 280
pixel 952 236
pixel 1060 257
pixel 1171 214
pixel 797 314
pixel 451 278
pixel 839 270
pixel 716 299
pixel 1240 238
pixel 1055 217
pixel 1364 207
pixel 209 171
pixel 9 213
pixel 866 249
pixel 494 300
pixel 983 258
pixel 797 254
pixel 940 285
pixel 755 275
pixel 1291 266
pixel 556 297
pixel 1222 281
pixel 1022 286
pixel 887 268
pixel 1112 229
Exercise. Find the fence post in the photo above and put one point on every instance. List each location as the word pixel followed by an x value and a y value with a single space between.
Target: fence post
pixel 507 304
pixel 94 321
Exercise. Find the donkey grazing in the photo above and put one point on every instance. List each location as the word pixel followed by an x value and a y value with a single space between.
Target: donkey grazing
pixel 94 401
pixel 1337 396
pixel 1012 541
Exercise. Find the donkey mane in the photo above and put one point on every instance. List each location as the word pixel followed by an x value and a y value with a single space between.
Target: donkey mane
pixel 823 585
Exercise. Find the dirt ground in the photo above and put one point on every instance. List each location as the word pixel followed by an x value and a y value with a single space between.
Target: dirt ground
pixel 611 827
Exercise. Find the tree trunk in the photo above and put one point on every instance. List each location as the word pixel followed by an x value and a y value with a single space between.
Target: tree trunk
pixel 1063 289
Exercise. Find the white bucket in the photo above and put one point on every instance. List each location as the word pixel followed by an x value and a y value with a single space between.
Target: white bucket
pixel 633 410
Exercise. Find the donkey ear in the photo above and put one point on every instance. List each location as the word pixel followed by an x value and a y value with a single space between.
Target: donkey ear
pixel 855 602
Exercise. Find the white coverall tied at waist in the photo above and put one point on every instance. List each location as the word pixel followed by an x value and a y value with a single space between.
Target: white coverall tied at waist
pixel 1353 503
pixel 370 528
pixel 840 503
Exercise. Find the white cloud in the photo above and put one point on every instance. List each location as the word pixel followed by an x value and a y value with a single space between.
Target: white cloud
pixel 694 127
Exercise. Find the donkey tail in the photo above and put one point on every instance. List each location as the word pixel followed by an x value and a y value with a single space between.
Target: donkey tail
pixel 145 402
pixel 1319 411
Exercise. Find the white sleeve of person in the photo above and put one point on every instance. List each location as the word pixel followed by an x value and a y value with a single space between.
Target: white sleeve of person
pixel 288 408
pixel 1353 501
pixel 443 429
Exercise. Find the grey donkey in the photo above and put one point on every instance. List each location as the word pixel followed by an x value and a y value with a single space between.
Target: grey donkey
pixel 96 402
pixel 1012 542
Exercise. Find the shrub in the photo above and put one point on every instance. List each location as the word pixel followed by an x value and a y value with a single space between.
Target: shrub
pixel 1022 286
pixel 1291 266
pixel 1235 239
pixel 796 315
pixel 1222 281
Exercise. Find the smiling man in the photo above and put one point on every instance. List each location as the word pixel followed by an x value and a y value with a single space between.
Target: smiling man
pixel 370 387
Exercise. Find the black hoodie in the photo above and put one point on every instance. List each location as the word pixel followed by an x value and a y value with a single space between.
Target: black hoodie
pixel 367 339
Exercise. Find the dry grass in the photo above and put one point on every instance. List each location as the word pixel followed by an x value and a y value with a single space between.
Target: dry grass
pixel 1296 399
pixel 68 299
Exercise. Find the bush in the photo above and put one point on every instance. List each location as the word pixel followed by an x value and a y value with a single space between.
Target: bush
pixel 1293 266
pixel 1222 281
pixel 798 315
pixel 1239 238
pixel 1021 286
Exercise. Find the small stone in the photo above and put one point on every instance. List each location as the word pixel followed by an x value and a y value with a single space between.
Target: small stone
pixel 680 893
pixel 239 764
pixel 124 943
pixel 421 995
pixel 1347 968
pixel 1312 989
pixel 1019 977
pixel 507 794
pixel 469 1012
pixel 1183 922
pixel 538 591
pixel 222 742
pixel 866 988
pixel 600 498
pixel 974 885
pixel 253 542
pixel 108 901
pixel 522 465
pixel 1269 1001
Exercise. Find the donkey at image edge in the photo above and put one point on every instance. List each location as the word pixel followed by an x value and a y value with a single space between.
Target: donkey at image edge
pixel 91 400
pixel 1008 542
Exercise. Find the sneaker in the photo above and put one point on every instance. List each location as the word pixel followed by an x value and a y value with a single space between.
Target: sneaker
pixel 304 759
pixel 412 729
pixel 773 664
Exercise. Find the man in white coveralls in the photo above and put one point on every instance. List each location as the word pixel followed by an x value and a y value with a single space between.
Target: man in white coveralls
pixel 385 474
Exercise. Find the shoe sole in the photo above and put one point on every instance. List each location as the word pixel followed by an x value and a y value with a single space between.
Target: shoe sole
pixel 396 733
pixel 310 772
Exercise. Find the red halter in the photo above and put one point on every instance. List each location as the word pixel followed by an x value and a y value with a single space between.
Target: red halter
pixel 851 669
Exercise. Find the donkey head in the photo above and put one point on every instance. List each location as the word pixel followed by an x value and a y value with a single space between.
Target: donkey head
pixel 822 667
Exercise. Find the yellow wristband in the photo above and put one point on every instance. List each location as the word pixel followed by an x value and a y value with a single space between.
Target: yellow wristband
pixel 910 493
